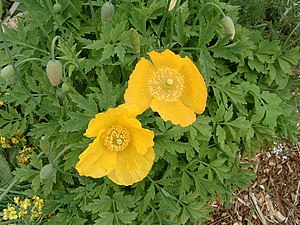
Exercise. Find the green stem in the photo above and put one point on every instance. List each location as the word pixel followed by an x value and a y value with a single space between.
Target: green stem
pixel 10 222
pixel 211 3
pixel 76 10
pixel 63 172
pixel 28 60
pixel 76 61
pixel 94 20
pixel 50 8
pixel 159 188
pixel 138 56
pixel 201 9
pixel 172 26
pixel 62 152
pixel 35 48
pixel 162 22
pixel 8 53
pixel 4 193
pixel 14 192
pixel 293 31
pixel 27 106
pixel 16 71
pixel 53 46
pixel 189 48
pixel 69 85
pixel 38 21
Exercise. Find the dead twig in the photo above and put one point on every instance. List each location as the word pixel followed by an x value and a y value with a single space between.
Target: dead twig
pixel 257 209
pixel 12 10
pixel 291 212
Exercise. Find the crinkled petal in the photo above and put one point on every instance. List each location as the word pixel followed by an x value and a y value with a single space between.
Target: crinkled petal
pixel 194 94
pixel 176 112
pixel 109 118
pixel 166 59
pixel 137 91
pixel 141 138
pixel 131 166
pixel 96 161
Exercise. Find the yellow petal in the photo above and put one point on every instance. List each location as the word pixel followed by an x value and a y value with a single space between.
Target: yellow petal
pixel 137 91
pixel 166 59
pixel 176 112
pixel 109 118
pixel 141 138
pixel 131 166
pixel 96 161
pixel 129 110
pixel 194 95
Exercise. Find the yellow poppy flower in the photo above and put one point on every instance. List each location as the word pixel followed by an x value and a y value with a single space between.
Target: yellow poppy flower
pixel 170 85
pixel 122 149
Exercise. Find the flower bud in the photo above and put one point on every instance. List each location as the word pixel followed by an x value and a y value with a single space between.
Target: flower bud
pixel 228 26
pixel 54 72
pixel 134 39
pixel 65 88
pixel 56 8
pixel 8 74
pixel 172 4
pixel 107 12
pixel 47 172
pixel 60 94
pixel 45 145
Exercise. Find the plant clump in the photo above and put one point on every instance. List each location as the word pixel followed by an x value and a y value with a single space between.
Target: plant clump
pixel 144 117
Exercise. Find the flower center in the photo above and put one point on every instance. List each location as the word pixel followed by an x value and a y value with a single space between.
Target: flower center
pixel 166 84
pixel 116 138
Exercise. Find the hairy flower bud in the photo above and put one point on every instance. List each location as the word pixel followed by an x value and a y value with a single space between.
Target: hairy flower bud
pixel 65 88
pixel 134 39
pixel 56 8
pixel 47 172
pixel 60 94
pixel 45 145
pixel 107 12
pixel 54 72
pixel 228 26
pixel 8 74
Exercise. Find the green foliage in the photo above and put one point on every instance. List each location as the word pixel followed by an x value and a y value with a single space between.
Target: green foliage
pixel 250 104
pixel 276 19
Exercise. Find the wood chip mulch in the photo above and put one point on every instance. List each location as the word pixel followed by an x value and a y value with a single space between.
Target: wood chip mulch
pixel 274 197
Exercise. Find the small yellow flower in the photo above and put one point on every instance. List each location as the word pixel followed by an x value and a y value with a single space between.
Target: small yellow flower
pixel 26 210
pixel 4 142
pixel 122 149
pixel 19 133
pixel 170 85
pixel 16 200
pixel 22 212
pixel 10 213
pixel 5 214
pixel 25 155
pixel 15 140
pixel 25 203
pixel 2 103
pixel 23 159
pixel 38 202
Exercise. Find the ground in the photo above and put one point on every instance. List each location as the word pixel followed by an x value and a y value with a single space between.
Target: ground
pixel 274 197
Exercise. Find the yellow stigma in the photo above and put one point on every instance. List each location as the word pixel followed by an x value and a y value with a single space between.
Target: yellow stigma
pixel 166 84
pixel 116 138
pixel 169 82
